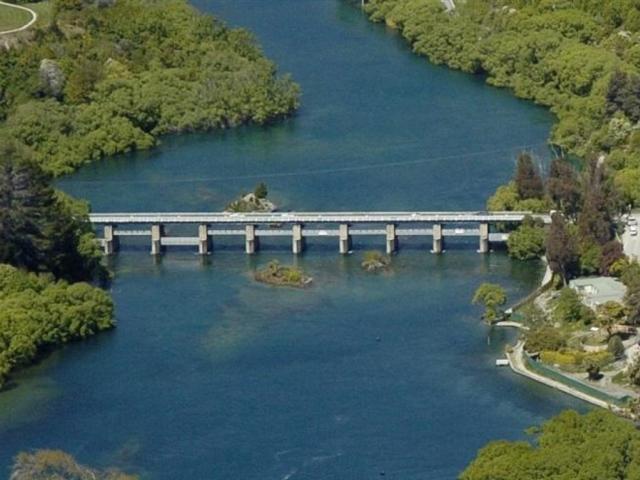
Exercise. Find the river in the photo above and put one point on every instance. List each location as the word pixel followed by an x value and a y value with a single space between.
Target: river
pixel 212 376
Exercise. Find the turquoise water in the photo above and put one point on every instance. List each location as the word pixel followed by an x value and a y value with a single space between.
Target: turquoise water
pixel 212 376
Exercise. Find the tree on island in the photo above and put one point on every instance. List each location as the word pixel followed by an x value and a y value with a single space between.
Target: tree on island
pixel 527 178
pixel 492 296
pixel 597 445
pixel 261 190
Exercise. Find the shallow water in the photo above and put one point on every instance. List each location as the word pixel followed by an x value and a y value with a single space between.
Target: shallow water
pixel 212 376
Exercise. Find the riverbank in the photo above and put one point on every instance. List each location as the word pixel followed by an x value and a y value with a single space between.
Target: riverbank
pixel 243 368
pixel 515 355
pixel 521 364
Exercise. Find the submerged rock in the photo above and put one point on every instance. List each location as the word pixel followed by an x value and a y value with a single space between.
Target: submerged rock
pixel 374 261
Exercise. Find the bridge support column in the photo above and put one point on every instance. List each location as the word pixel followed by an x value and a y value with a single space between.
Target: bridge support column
pixel 251 240
pixel 438 239
pixel 484 238
pixel 110 240
pixel 298 240
pixel 392 239
pixel 204 242
pixel 157 231
pixel 345 239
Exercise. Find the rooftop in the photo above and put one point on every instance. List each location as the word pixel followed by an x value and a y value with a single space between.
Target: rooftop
pixel 598 290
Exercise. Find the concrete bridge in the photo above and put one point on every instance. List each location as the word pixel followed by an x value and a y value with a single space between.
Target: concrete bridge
pixel 302 225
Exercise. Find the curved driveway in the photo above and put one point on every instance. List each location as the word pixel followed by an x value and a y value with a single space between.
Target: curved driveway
pixel 34 17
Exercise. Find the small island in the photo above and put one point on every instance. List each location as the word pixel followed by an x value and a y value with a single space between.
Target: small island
pixel 255 201
pixel 375 261
pixel 282 275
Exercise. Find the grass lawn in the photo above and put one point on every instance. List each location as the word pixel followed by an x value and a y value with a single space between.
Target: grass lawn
pixel 12 18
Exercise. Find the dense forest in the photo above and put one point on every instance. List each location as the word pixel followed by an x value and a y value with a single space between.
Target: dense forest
pixel 581 58
pixel 597 445
pixel 47 233
pixel 102 78
pixel 109 77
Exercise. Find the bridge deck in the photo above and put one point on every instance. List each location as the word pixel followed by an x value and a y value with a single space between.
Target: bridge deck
pixel 310 217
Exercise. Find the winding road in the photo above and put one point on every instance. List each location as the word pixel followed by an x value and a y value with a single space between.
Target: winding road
pixel 34 18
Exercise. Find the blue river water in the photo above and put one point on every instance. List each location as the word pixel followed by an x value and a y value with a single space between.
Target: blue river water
pixel 212 376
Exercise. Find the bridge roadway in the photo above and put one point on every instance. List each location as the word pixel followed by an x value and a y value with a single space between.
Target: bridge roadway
pixel 299 225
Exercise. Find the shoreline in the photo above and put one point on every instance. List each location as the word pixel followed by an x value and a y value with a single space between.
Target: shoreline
pixel 515 357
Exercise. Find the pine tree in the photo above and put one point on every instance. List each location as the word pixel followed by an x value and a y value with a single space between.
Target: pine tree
pixel 561 248
pixel 38 231
pixel 527 178
pixel 563 187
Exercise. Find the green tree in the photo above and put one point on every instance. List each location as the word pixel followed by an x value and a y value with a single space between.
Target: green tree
pixel 568 308
pixel 492 297
pixel 38 314
pixel 596 445
pixel 610 314
pixel 632 302
pixel 527 242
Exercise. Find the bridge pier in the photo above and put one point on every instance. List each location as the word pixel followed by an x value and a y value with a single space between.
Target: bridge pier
pixel 345 239
pixel 251 240
pixel 484 238
pixel 392 239
pixel 111 243
pixel 298 240
pixel 438 239
pixel 204 241
pixel 157 231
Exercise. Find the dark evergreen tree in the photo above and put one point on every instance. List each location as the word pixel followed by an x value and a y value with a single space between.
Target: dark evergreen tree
pixel 624 95
pixel 611 252
pixel 595 221
pixel 38 231
pixel 563 187
pixel 561 248
pixel 527 178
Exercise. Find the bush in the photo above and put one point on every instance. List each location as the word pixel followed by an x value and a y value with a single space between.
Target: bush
pixel 615 347
pixel 576 358
pixel 37 312
pixel 544 338
pixel 139 70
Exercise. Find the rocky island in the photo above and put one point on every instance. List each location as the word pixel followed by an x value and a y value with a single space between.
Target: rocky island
pixel 375 261
pixel 255 201
pixel 282 275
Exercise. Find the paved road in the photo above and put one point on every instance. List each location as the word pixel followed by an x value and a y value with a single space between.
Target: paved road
pixel 34 18
pixel 310 217
pixel 632 242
